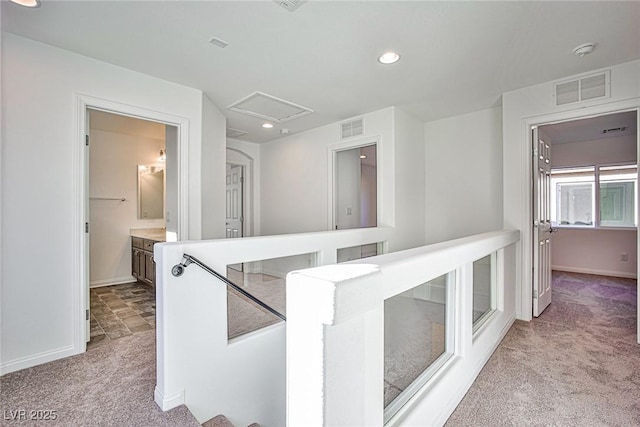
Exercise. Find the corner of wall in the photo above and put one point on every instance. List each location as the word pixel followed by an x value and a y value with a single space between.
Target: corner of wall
pixel 212 164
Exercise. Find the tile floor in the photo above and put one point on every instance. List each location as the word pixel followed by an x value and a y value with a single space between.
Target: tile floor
pixel 122 310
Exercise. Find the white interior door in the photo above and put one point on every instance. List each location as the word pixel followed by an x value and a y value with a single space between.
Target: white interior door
pixel 542 229
pixel 233 222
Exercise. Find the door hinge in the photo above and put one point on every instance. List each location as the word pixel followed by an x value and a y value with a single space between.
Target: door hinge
pixel 86 227
pixel 535 293
pixel 86 140
pixel 241 219
pixel 242 179
pixel 86 315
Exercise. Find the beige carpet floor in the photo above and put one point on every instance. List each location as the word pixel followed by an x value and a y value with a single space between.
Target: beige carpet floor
pixel 110 385
pixel 578 364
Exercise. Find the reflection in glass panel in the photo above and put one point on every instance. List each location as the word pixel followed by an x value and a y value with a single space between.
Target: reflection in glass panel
pixel 414 337
pixel 482 287
pixel 357 252
pixel 264 280
pixel 617 195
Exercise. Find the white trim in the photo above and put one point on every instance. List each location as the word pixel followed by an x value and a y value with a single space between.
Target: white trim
pixel 332 151
pixel 610 273
pixel 80 260
pixel 525 303
pixel 170 402
pixel 37 359
pixel 113 281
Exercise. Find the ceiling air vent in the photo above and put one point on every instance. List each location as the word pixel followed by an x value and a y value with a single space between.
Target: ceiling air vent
pixel 613 130
pixel 583 89
pixel 269 107
pixel 235 133
pixel 353 128
pixel 290 5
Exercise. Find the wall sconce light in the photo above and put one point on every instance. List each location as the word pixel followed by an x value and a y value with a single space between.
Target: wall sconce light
pixel 163 156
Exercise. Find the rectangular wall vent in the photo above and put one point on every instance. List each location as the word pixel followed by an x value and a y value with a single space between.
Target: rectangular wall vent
pixel 582 89
pixel 269 107
pixel 352 128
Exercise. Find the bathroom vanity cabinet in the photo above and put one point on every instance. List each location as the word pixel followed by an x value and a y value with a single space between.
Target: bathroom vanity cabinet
pixel 143 266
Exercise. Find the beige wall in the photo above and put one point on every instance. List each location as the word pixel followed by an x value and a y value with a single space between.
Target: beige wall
pixel 113 173
pixel 595 251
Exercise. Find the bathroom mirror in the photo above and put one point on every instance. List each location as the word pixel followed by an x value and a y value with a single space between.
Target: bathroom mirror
pixel 150 192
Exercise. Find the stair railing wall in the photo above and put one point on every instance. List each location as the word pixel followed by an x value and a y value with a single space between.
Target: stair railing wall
pixel 336 332
pixel 197 364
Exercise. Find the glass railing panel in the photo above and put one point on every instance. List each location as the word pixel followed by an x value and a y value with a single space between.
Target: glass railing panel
pixel 264 280
pixel 484 281
pixel 358 252
pixel 415 339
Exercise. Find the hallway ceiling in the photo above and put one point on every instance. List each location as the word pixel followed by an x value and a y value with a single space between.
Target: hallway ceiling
pixel 456 57
pixel 615 125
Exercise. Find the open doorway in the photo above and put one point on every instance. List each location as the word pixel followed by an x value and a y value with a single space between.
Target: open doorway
pixel 128 171
pixel 355 195
pixel 593 204
pixel 175 201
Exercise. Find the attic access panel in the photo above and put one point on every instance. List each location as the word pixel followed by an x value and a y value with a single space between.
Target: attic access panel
pixel 269 107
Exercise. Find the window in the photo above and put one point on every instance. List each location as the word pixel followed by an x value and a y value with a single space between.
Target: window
pixel 576 190
pixel 618 204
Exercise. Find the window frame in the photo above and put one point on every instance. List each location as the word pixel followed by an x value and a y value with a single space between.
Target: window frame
pixel 596 202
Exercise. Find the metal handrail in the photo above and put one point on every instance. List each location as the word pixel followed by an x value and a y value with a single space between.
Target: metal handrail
pixel 178 269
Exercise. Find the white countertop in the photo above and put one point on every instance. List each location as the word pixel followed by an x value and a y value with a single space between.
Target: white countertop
pixel 156 234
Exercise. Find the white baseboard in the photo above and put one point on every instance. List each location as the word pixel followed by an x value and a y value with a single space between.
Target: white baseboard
pixel 36 359
pixel 610 273
pixel 111 282
pixel 170 402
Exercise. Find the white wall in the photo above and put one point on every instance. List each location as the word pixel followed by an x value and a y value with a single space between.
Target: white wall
pixel 39 228
pixel 595 251
pixel 409 181
pixel 617 149
pixel 113 173
pixel 463 174
pixel 213 167
pixel 295 178
pixel 534 105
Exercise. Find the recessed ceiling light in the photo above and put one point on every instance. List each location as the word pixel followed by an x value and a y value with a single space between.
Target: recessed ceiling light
pixel 267 125
pixel 388 58
pixel 362 156
pixel 27 3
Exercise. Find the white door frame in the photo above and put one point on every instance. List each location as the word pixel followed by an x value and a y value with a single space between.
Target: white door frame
pixel 240 158
pixel 331 176
pixel 526 228
pixel 80 169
